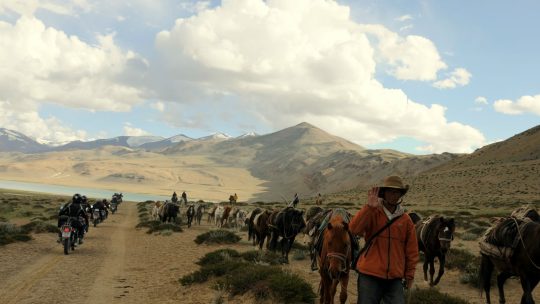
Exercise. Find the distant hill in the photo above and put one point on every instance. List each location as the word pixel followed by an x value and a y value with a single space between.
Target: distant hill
pixel 13 141
pixel 165 143
pixel 504 173
pixel 301 158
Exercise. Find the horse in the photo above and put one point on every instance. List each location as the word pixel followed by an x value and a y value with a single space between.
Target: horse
pixel 334 260
pixel 260 228
pixel 249 222
pixel 190 213
pixel 199 213
pixel 225 217
pixel 288 223
pixel 169 212
pixel 212 214
pixel 155 211
pixel 220 210
pixel 240 219
pixel 523 263
pixel 435 236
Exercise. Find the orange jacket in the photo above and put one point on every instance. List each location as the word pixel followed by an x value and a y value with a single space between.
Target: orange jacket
pixel 394 252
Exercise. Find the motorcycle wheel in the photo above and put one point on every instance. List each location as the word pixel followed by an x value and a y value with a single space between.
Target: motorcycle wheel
pixel 95 223
pixel 66 246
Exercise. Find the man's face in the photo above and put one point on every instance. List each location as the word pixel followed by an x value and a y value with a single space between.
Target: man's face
pixel 392 196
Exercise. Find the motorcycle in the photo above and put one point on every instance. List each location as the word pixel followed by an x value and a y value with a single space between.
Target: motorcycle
pixel 114 207
pixel 69 236
pixel 96 217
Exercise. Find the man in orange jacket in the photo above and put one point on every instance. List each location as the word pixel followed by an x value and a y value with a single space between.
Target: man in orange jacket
pixel 389 262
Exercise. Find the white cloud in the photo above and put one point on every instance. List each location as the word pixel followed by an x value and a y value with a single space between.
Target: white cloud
pixel 42 64
pixel 410 58
pixel 158 106
pixel 25 119
pixel 459 77
pixel 481 100
pixel 120 18
pixel 129 130
pixel 306 60
pixel 525 104
pixel 404 18
pixel 406 27
pixel 29 7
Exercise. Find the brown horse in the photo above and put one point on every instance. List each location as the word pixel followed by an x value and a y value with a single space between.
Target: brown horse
pixel 212 214
pixel 524 263
pixel 334 260
pixel 434 235
pixel 225 216
pixel 260 228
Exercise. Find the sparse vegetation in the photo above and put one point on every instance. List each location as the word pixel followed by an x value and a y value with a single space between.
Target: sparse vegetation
pixel 431 295
pixel 240 273
pixel 218 237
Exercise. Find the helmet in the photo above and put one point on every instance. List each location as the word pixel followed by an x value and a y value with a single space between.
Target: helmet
pixel 84 200
pixel 76 198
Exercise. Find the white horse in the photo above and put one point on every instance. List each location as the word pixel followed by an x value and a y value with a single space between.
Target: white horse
pixel 241 219
pixel 220 210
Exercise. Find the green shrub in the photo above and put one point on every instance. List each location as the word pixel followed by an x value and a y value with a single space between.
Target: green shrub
pixel 431 295
pixel 240 273
pixel 299 255
pixel 39 227
pixel 10 233
pixel 218 256
pixel 469 236
pixel 460 258
pixel 217 237
pixel 291 288
pixel 164 226
pixel 266 257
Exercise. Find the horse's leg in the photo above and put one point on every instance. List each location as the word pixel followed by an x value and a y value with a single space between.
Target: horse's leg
pixel 426 262
pixel 333 289
pixel 527 290
pixel 431 270
pixel 486 269
pixel 501 278
pixel 442 259
pixel 344 283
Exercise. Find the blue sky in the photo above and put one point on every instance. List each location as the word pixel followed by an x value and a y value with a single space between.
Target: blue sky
pixel 415 76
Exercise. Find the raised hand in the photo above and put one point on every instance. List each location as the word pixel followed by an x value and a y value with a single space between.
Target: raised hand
pixel 373 197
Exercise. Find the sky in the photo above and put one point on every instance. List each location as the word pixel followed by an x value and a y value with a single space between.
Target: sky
pixel 415 76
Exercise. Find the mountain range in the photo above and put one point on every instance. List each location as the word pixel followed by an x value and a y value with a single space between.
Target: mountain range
pixel 300 159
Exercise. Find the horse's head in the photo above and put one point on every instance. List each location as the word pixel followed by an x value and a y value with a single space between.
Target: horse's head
pixel 297 220
pixel 337 246
pixel 447 227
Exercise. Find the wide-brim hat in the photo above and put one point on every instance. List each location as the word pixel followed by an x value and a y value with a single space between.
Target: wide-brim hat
pixel 395 182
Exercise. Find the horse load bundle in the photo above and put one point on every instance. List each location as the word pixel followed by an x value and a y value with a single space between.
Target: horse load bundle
pixel 501 240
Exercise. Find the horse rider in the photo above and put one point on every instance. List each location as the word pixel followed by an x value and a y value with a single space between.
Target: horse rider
pixel 318 200
pixel 174 197
pixel 295 201
pixel 184 197
pixel 74 210
pixel 387 262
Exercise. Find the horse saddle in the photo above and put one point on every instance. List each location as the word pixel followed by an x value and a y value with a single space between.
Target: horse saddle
pixel 501 240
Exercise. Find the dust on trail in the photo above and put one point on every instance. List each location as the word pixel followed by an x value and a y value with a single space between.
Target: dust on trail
pixel 120 264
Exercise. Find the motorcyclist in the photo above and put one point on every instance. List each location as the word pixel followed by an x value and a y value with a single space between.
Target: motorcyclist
pixel 101 205
pixel 73 211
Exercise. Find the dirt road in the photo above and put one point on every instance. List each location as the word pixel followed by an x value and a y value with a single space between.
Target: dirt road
pixel 120 264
